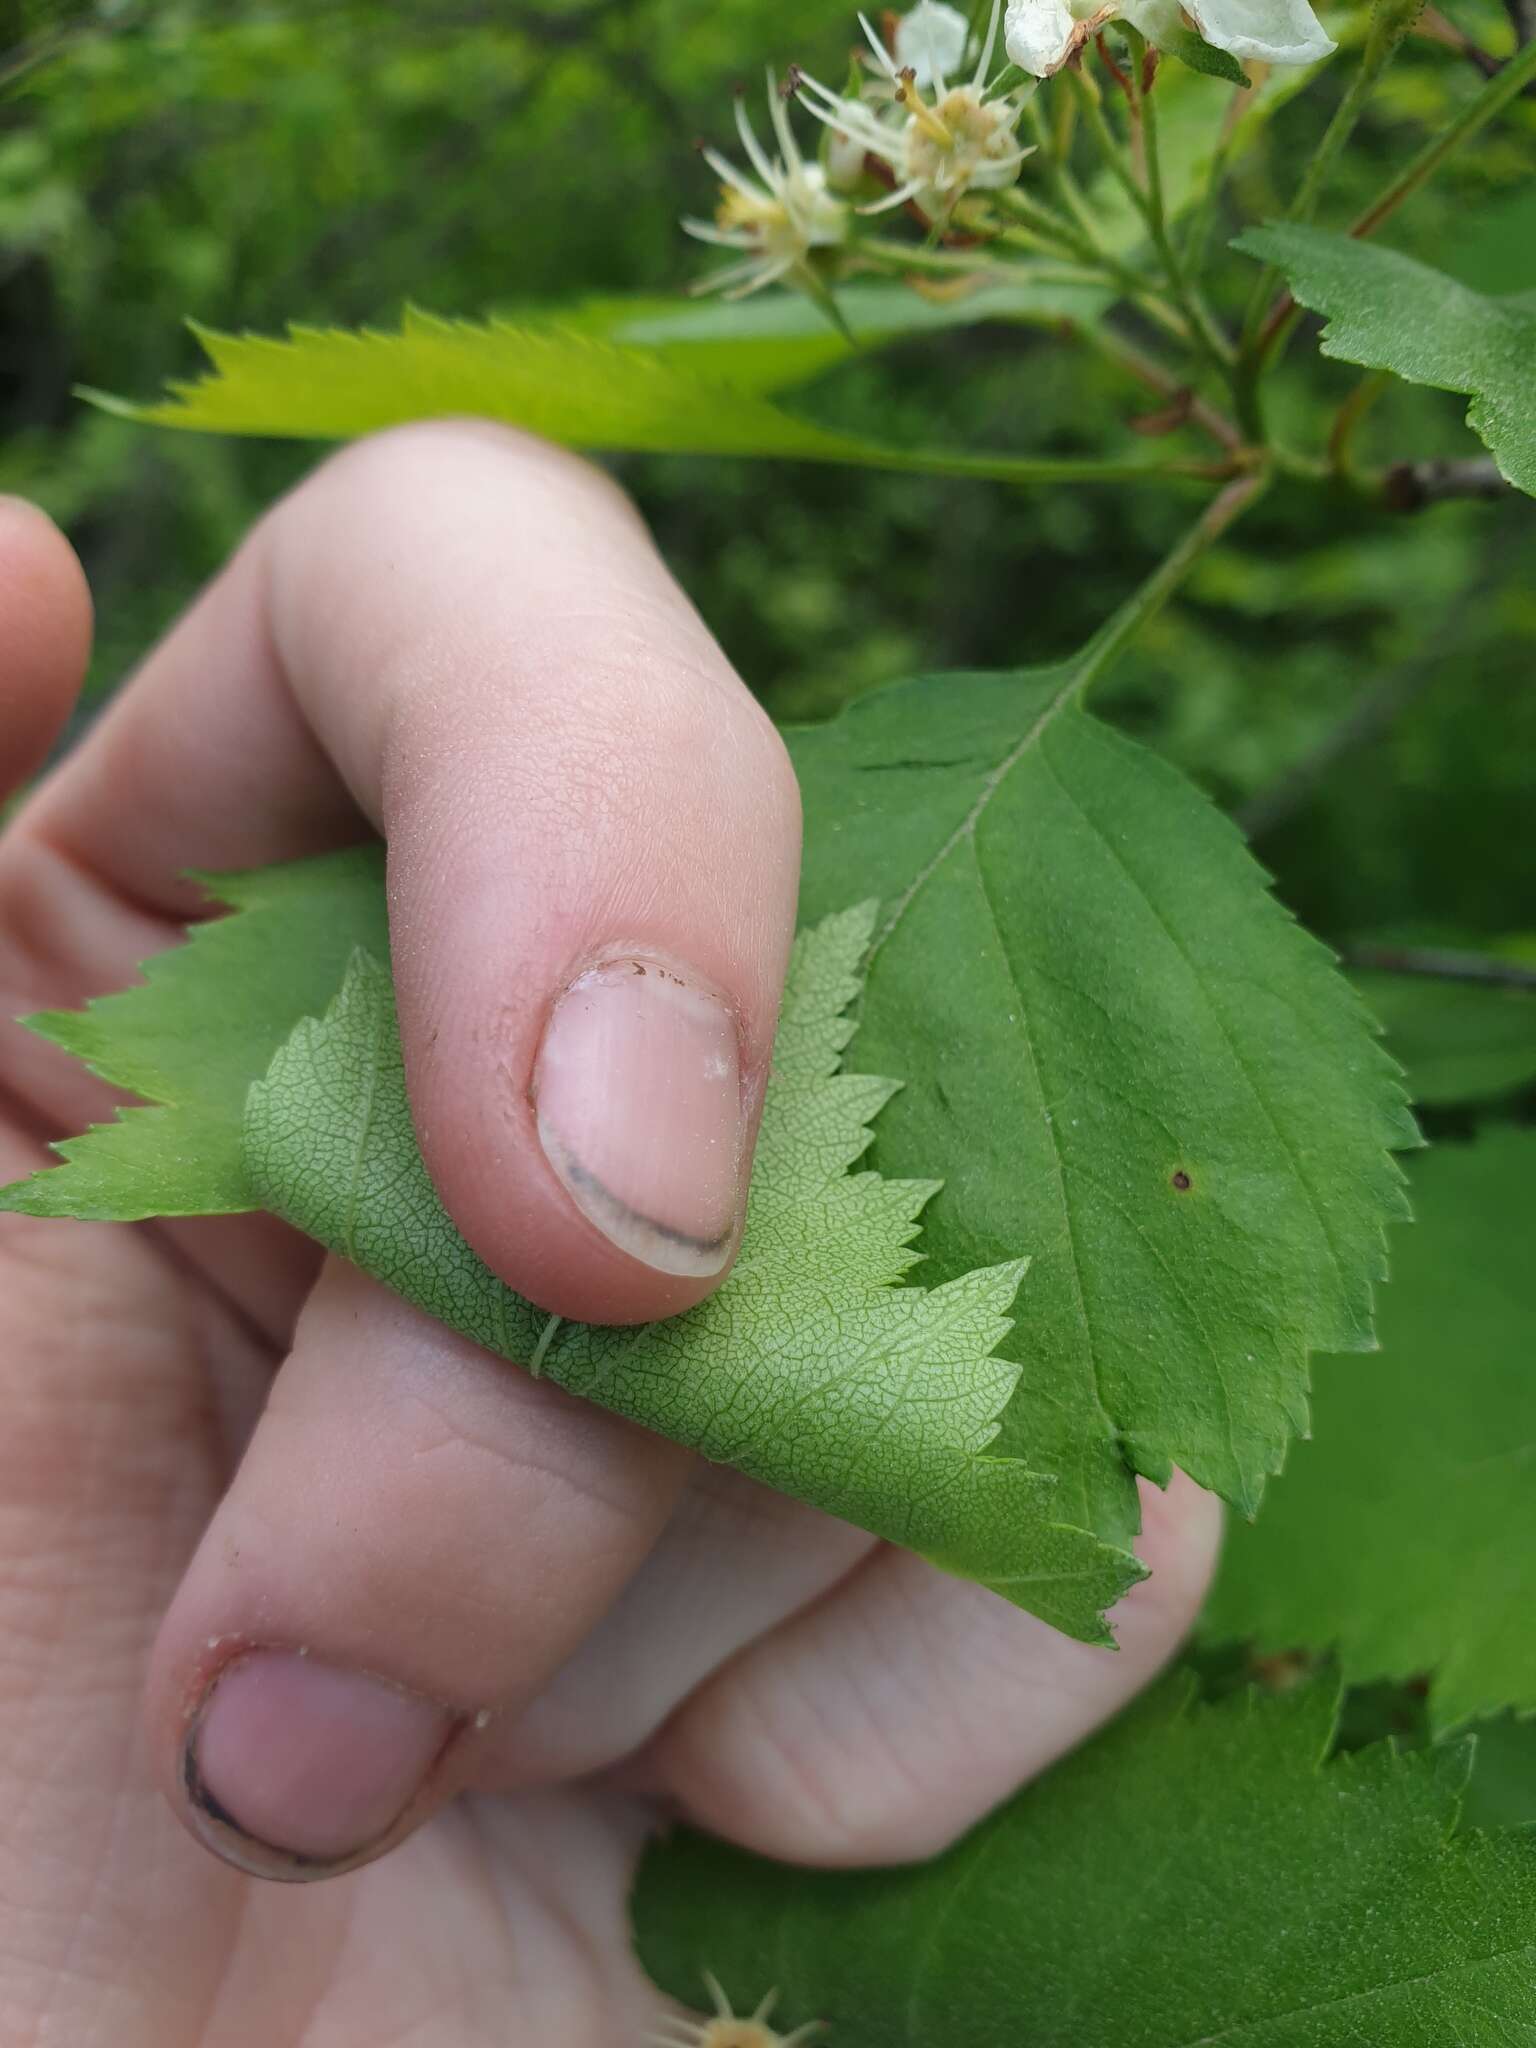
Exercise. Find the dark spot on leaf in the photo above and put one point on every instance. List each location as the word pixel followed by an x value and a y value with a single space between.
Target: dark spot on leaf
pixel 1181 1179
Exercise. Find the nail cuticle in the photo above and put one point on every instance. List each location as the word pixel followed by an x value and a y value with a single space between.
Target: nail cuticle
pixel 230 1838
pixel 641 1110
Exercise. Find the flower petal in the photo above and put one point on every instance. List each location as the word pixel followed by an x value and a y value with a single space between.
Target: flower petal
pixel 932 39
pixel 1273 31
pixel 1039 35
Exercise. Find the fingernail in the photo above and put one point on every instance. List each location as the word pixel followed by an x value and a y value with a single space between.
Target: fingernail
pixel 295 1767
pixel 638 1097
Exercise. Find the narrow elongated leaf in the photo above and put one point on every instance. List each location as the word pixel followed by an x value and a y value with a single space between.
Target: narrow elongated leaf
pixel 1405 1535
pixel 806 1369
pixel 207 1020
pixel 1197 1877
pixel 1388 312
pixel 570 387
pixel 1121 1053
pixel 779 339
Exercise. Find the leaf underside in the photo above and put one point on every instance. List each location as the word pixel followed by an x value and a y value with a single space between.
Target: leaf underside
pixel 1121 1053
pixel 1404 1536
pixel 1388 312
pixel 1195 1878
pixel 808 1369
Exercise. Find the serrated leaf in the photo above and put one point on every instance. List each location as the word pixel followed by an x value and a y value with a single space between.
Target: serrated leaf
pixel 205 1023
pixel 1405 1535
pixel 806 1369
pixel 566 386
pixel 1388 312
pixel 1195 1878
pixel 1094 999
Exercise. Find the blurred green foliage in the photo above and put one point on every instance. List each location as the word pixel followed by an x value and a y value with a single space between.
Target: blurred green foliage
pixel 1359 686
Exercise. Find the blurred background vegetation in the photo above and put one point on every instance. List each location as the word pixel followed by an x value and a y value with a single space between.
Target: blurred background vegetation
pixel 1359 687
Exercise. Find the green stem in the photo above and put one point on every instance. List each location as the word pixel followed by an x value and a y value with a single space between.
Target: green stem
pixel 1030 469
pixel 1390 23
pixel 1516 75
pixel 1495 96
pixel 1092 111
pixel 1039 222
pixel 952 263
pixel 1203 332
pixel 1123 625
pixel 1144 117
pixel 1197 241
pixel 1060 179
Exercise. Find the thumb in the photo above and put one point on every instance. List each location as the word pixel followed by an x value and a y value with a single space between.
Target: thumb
pixel 592 828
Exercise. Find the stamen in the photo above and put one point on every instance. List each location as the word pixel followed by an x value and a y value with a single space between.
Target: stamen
pixel 778 113
pixel 728 174
pixel 985 64
pixel 722 238
pixel 881 52
pixel 757 156
pixel 923 114
pixel 770 276
pixel 897 198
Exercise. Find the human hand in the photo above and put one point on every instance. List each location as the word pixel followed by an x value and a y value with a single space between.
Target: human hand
pixel 285 1561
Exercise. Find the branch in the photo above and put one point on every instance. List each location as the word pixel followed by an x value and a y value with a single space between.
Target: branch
pixel 1435 28
pixel 1182 401
pixel 1410 486
pixel 1485 969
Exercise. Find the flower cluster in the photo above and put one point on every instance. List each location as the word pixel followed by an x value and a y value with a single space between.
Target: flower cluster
pixel 937 140
pixel 933 124
pixel 929 140
pixel 777 220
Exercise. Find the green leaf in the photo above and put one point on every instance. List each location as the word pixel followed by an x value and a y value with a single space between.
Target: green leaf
pixel 1387 312
pixel 778 339
pixel 1196 1876
pixel 1405 1535
pixel 1458 1042
pixel 807 1369
pixel 1095 1000
pixel 1201 56
pixel 567 386
pixel 1502 1793
pixel 208 1018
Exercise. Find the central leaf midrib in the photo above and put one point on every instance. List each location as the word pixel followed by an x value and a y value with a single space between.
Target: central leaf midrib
pixel 966 829
pixel 1054 1142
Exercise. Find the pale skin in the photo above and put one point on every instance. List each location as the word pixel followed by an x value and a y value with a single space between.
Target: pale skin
pixel 218 1450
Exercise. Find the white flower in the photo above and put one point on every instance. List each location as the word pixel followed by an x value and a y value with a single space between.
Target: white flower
pixel 961 140
pixel 775 222
pixel 931 42
pixel 1041 35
